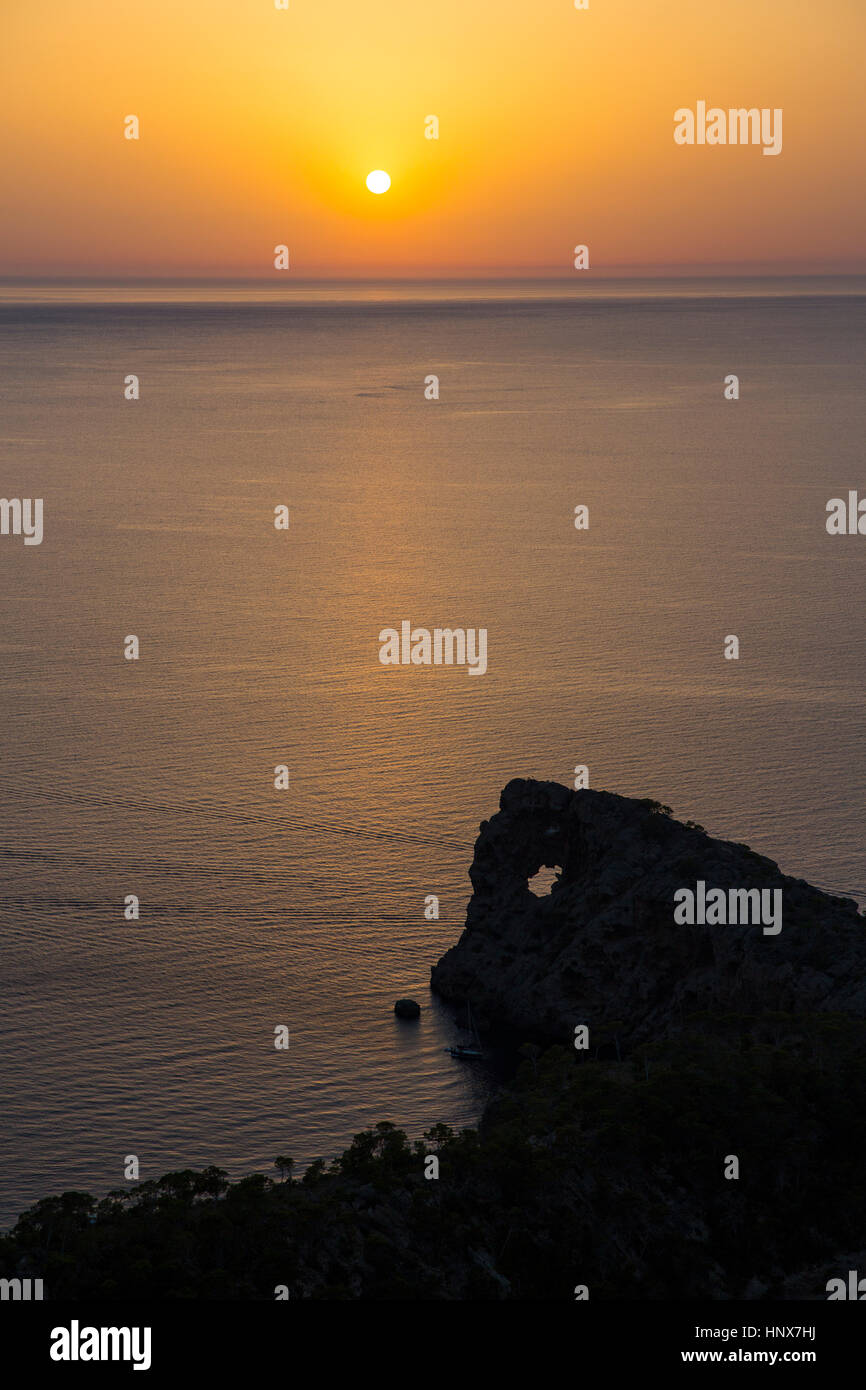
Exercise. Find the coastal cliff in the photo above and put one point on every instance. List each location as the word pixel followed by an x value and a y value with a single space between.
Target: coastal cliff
pixel 603 947
pixel 609 1169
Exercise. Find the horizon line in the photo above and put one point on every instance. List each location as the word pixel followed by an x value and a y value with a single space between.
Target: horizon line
pixel 718 271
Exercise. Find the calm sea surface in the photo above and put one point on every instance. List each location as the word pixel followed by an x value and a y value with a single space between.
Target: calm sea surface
pixel 306 907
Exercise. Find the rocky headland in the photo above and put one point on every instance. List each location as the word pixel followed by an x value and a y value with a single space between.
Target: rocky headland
pixel 606 1169
pixel 603 949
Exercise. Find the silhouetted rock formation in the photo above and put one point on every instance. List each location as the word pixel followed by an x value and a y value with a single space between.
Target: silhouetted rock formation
pixel 603 947
pixel 589 1167
pixel 407 1008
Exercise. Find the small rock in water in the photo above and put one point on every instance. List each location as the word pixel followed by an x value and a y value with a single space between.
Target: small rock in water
pixel 407 1008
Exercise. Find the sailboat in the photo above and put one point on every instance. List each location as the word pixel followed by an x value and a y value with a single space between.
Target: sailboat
pixel 468 1052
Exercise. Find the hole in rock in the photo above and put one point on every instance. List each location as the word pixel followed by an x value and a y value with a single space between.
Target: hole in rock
pixel 542 882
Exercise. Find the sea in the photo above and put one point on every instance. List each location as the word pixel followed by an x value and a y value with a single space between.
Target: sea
pixel 313 906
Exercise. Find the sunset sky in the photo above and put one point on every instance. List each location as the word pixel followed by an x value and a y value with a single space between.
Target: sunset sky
pixel 259 127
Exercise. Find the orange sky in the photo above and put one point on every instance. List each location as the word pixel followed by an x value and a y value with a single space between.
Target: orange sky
pixel 259 126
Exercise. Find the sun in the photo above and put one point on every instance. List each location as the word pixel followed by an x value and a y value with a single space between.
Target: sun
pixel 378 181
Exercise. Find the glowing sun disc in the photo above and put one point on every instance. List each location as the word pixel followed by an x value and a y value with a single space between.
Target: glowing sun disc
pixel 378 181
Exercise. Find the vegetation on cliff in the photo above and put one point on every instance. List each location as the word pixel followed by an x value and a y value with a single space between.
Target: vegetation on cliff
pixel 585 1171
